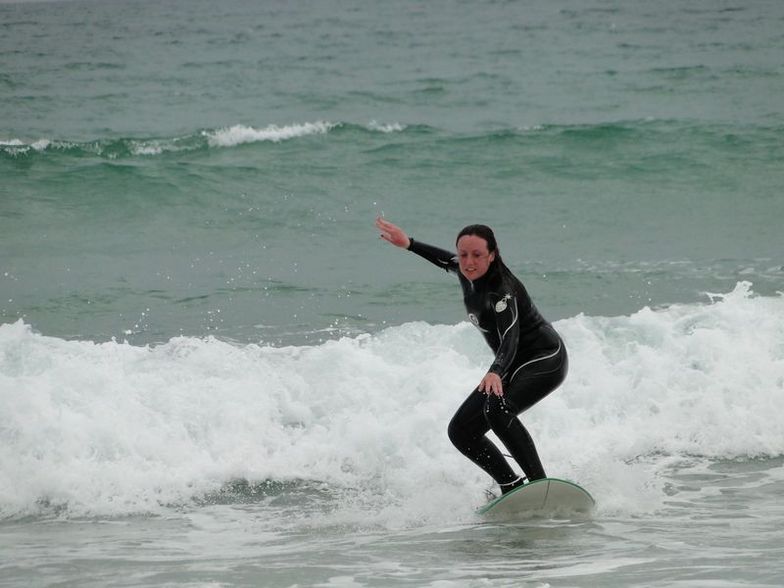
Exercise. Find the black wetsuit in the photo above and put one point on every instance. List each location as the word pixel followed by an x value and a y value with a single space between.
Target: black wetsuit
pixel 530 359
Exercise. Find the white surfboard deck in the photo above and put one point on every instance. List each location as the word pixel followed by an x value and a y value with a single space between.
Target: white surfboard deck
pixel 548 497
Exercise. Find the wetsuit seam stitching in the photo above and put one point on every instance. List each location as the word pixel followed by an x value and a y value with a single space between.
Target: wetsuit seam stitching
pixel 512 324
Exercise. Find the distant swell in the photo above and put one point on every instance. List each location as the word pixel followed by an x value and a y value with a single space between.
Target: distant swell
pixel 225 137
pixel 633 136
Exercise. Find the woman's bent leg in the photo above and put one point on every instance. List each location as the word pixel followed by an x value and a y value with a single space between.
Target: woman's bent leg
pixel 467 433
pixel 529 385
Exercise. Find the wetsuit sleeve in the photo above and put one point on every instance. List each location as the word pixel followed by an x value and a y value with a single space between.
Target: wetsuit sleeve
pixel 446 260
pixel 508 324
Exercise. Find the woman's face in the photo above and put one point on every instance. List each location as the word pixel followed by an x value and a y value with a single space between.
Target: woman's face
pixel 473 256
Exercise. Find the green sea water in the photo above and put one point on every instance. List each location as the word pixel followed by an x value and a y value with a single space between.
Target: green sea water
pixel 176 170
pixel 173 168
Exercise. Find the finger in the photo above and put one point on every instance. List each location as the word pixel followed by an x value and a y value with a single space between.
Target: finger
pixel 390 228
pixel 493 386
pixel 380 222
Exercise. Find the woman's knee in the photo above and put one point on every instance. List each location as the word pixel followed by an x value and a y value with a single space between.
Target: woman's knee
pixel 468 424
pixel 456 432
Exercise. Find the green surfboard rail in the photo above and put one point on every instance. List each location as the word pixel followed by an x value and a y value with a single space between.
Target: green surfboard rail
pixel 489 506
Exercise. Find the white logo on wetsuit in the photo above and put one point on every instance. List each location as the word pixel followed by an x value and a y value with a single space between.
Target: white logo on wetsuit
pixel 500 306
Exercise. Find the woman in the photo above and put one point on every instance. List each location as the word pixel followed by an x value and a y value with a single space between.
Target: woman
pixel 530 358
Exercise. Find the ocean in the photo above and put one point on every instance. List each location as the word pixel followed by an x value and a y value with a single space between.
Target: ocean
pixel 214 373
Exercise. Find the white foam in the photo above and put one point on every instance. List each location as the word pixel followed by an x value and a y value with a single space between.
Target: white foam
pixel 17 146
pixel 386 127
pixel 113 428
pixel 41 144
pixel 149 147
pixel 239 134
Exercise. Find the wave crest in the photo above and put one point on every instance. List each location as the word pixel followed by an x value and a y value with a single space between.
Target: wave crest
pixel 240 134
pixel 114 428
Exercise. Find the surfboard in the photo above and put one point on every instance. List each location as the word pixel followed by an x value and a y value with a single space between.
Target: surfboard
pixel 547 497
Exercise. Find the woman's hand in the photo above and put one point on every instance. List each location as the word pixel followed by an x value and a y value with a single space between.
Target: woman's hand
pixel 392 233
pixel 491 384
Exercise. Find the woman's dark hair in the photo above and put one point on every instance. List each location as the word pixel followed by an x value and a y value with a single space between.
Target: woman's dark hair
pixel 482 231
pixel 497 267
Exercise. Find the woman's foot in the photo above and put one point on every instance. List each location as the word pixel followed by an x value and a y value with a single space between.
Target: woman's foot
pixel 506 488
